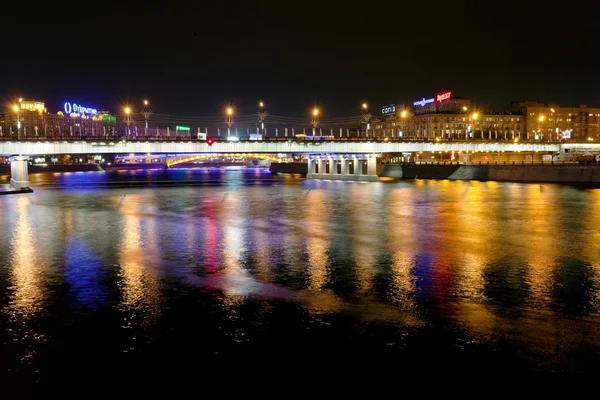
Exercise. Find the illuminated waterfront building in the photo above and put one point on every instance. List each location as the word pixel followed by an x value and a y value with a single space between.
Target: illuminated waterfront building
pixel 546 122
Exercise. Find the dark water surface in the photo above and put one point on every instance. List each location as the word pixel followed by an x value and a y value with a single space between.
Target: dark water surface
pixel 105 275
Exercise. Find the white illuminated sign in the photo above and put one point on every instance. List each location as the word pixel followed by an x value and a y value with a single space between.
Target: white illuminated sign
pixel 566 134
pixel 77 109
pixel 423 102
pixel 388 109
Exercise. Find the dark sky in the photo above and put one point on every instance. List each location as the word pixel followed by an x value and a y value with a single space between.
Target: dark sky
pixel 194 58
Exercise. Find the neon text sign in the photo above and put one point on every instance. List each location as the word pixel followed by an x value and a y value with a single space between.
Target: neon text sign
pixel 77 109
pixel 423 102
pixel 442 97
pixel 388 109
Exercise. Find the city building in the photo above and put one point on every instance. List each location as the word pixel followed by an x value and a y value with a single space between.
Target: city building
pixel 30 119
pixel 446 117
pixel 549 122
pixel 465 125
pixel 32 105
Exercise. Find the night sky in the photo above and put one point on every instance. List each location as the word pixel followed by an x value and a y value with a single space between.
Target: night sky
pixel 194 59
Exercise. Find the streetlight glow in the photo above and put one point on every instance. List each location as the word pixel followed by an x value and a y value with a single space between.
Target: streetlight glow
pixel 316 112
pixel 403 114
pixel 145 102
pixel 261 104
pixel 16 107
pixel 465 108
pixel 229 111
pixel 365 106
pixel 20 99
pixel 127 110
pixel 475 115
pixel 542 117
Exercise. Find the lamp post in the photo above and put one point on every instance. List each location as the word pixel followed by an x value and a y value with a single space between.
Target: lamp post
pixel 146 113
pixel 262 115
pixel 465 109
pixel 128 120
pixel 17 109
pixel 315 121
pixel 230 120
pixel 540 134
pixel 403 116
pixel 472 118
pixel 366 118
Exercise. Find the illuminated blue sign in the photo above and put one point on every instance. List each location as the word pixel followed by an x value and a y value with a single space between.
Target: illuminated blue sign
pixel 77 109
pixel 423 102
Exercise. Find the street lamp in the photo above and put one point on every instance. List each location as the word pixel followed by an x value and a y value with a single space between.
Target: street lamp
pixel 146 113
pixel 540 135
pixel 403 116
pixel 230 120
pixel 554 124
pixel 366 118
pixel 17 109
pixel 128 119
pixel 473 118
pixel 262 115
pixel 315 121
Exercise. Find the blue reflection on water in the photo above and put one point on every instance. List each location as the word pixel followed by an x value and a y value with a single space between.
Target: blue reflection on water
pixel 83 273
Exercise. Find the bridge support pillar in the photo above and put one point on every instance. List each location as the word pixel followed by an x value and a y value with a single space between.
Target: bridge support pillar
pixel 333 166
pixel 312 164
pixel 163 160
pixel 345 166
pixel 357 166
pixel 322 166
pixel 19 174
pixel 371 166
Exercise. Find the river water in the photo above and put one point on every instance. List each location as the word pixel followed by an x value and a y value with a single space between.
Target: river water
pixel 104 273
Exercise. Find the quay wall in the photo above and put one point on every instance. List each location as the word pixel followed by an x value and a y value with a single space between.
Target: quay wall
pixel 524 173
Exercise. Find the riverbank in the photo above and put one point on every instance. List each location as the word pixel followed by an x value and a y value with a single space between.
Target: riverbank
pixel 490 172
pixel 36 169
pixel 6 188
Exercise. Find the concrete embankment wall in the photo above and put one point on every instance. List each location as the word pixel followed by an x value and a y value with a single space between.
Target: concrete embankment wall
pixel 35 169
pixel 525 173
pixel 289 168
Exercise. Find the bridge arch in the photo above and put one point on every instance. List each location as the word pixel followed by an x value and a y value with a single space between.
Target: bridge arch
pixel 183 158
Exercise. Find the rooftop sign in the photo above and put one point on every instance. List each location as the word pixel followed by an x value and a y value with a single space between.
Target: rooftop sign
pixel 421 103
pixel 442 97
pixel 388 109
pixel 77 109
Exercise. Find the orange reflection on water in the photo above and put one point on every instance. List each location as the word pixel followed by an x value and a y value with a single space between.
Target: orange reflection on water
pixel 591 248
pixel 140 287
pixel 26 273
pixel 233 220
pixel 317 237
pixel 541 249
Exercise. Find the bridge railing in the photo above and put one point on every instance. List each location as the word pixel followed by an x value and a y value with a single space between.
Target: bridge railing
pixel 194 138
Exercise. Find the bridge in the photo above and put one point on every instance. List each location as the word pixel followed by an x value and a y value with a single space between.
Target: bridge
pixel 333 158
pixel 267 146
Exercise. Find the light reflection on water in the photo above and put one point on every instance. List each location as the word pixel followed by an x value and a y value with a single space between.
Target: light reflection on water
pixel 481 263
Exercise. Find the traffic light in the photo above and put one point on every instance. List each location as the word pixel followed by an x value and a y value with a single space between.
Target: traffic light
pixel 210 141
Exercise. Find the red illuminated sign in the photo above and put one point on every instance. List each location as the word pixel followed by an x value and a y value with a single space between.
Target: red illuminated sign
pixel 442 97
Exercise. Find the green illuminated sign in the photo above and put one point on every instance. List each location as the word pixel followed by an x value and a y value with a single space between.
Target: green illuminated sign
pixel 109 120
pixel 182 128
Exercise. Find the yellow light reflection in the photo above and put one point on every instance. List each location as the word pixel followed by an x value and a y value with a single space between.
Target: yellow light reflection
pixel 140 287
pixel 25 275
pixel 317 237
